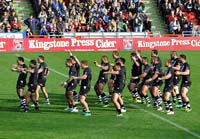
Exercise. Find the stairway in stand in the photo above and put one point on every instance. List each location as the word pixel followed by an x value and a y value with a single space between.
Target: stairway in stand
pixel 152 10
pixel 23 9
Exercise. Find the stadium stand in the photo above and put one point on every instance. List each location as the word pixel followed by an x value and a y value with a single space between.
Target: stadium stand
pixel 181 15
pixel 8 18
pixel 92 16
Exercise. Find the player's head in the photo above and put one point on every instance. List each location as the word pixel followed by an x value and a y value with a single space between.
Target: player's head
pixel 117 66
pixel 154 59
pixel 167 63
pixel 33 63
pixel 73 59
pixel 20 60
pixel 182 58
pixel 40 58
pixel 154 52
pixel 68 62
pixel 122 61
pixel 173 54
pixel 144 60
pixel 133 55
pixel 115 54
pixel 104 59
pixel 84 64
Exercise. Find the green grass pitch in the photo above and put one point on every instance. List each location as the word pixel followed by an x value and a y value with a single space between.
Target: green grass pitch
pixel 52 122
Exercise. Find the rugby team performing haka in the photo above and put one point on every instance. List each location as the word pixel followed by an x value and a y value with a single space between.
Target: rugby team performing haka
pixel 147 78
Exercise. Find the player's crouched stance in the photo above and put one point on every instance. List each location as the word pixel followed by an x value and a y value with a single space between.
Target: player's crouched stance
pixel 168 77
pixel 32 85
pixel 85 86
pixel 118 88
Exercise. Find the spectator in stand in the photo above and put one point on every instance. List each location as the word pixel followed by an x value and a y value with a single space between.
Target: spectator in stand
pixel 189 6
pixel 56 4
pixel 2 27
pixel 174 5
pixel 197 10
pixel 174 26
pixel 60 26
pixel 28 33
pixel 138 23
pixel 172 16
pixel 32 23
pixel 4 18
pixel 15 25
pixel 45 23
pixel 42 15
pixel 12 16
pixel 43 31
pixel 140 6
pixel 147 25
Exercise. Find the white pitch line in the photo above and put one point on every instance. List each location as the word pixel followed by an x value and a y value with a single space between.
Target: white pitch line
pixel 167 121
pixel 150 113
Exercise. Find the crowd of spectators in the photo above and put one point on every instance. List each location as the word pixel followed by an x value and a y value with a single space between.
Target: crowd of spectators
pixel 181 15
pixel 8 18
pixel 58 16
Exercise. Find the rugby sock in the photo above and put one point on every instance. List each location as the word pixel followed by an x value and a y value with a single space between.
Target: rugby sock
pixel 166 105
pixel 105 99
pixel 22 101
pixel 184 104
pixel 179 98
pixel 119 111
pixel 135 94
pixel 188 104
pixel 170 105
pixel 143 98
pixel 155 99
pixel 174 99
pixel 75 95
pixel 122 106
pixel 99 98
pixel 74 106
pixel 147 99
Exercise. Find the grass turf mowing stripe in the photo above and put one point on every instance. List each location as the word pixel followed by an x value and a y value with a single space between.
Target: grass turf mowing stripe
pixel 134 106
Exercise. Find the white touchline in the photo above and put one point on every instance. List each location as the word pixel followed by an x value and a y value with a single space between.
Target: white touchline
pixel 166 120
pixel 132 105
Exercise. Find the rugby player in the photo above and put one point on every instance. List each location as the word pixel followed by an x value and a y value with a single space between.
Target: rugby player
pixel 102 80
pixel 43 72
pixel 77 65
pixel 85 86
pixel 21 82
pixel 169 85
pixel 176 65
pixel 185 83
pixel 118 87
pixel 70 85
pixel 155 83
pixel 111 81
pixel 145 85
pixel 32 85
pixel 135 71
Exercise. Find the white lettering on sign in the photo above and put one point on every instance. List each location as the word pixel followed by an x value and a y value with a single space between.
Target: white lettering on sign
pixel 153 44
pixel 48 45
pixel 105 44
pixel 75 42
pixel 2 44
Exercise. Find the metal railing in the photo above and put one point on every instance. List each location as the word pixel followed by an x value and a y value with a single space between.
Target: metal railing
pixel 191 33
pixel 106 35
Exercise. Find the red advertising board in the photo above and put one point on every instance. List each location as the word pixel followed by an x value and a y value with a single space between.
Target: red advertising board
pixel 98 44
